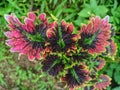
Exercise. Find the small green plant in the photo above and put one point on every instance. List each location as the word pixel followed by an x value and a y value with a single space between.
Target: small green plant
pixel 75 58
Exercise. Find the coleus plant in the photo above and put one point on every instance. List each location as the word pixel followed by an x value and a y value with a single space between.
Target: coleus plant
pixel 74 58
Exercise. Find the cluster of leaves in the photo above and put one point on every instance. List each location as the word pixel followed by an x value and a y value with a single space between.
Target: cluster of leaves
pixel 76 11
pixel 113 70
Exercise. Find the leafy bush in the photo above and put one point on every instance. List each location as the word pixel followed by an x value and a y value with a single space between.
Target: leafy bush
pixel 18 72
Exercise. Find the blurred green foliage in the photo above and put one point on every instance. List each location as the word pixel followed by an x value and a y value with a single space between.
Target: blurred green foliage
pixel 24 75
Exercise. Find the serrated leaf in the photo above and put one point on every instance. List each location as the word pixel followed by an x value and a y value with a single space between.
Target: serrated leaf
pixel 100 10
pixel 117 76
pixel 116 88
pixel 85 12
pixel 112 65
pixel 110 72
pixel 79 20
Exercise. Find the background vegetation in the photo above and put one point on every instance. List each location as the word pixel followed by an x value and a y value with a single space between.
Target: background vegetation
pixel 21 74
